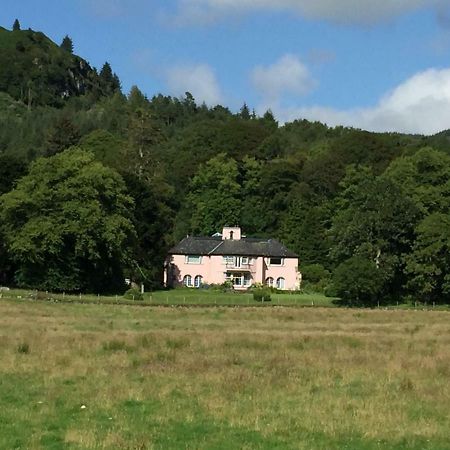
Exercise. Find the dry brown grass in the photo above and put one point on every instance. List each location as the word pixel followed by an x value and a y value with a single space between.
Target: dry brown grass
pixel 223 378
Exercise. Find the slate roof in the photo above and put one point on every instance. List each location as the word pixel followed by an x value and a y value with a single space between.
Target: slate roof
pixel 192 245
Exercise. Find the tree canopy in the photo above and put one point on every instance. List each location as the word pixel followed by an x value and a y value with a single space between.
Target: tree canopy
pixel 67 224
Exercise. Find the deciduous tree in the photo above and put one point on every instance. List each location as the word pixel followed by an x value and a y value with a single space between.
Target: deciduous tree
pixel 214 198
pixel 428 266
pixel 67 225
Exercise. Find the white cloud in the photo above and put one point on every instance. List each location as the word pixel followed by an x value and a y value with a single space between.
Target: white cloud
pixel 419 105
pixel 198 79
pixel 340 11
pixel 288 75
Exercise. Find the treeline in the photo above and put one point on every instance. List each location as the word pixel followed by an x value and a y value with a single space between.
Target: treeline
pixel 97 185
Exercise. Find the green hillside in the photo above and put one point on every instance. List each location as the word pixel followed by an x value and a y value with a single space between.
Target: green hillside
pixel 38 72
pixel 368 213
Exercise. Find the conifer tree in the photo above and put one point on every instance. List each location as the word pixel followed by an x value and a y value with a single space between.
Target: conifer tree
pixel 106 73
pixel 268 116
pixel 16 25
pixel 115 85
pixel 136 99
pixel 67 44
pixel 245 112
pixel 110 81
pixel 62 135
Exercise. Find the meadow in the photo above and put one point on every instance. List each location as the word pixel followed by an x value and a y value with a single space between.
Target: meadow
pixel 180 297
pixel 98 376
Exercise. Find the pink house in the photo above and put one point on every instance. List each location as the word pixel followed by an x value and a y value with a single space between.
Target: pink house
pixel 230 256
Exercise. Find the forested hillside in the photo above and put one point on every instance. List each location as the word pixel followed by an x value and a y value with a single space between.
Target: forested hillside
pixel 97 184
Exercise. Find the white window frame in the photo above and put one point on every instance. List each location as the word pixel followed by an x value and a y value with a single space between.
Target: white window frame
pixel 198 281
pixel 197 261
pixel 187 281
pixel 281 283
pixel 245 260
pixel 269 281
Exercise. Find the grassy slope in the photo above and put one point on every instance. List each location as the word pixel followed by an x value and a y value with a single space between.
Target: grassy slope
pixel 222 378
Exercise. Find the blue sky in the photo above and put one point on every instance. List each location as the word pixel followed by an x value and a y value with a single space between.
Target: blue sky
pixel 349 62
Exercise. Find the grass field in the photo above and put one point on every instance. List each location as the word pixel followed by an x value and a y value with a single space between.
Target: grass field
pixel 197 297
pixel 121 377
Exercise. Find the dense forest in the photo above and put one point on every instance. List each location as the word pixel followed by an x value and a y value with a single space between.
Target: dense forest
pixel 96 184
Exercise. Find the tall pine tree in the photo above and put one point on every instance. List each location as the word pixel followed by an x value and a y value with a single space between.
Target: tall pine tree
pixel 245 112
pixel 67 44
pixel 110 81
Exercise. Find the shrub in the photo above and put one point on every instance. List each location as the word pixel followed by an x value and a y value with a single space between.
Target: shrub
pixel 315 278
pixel 40 295
pixel 262 295
pixel 357 280
pixel 226 286
pixel 133 294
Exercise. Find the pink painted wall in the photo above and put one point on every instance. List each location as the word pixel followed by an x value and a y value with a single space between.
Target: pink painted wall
pixel 212 269
pixel 288 271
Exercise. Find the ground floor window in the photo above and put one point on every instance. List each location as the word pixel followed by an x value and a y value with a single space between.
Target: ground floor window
pixel 198 280
pixel 269 282
pixel 239 279
pixel 187 280
pixel 280 283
